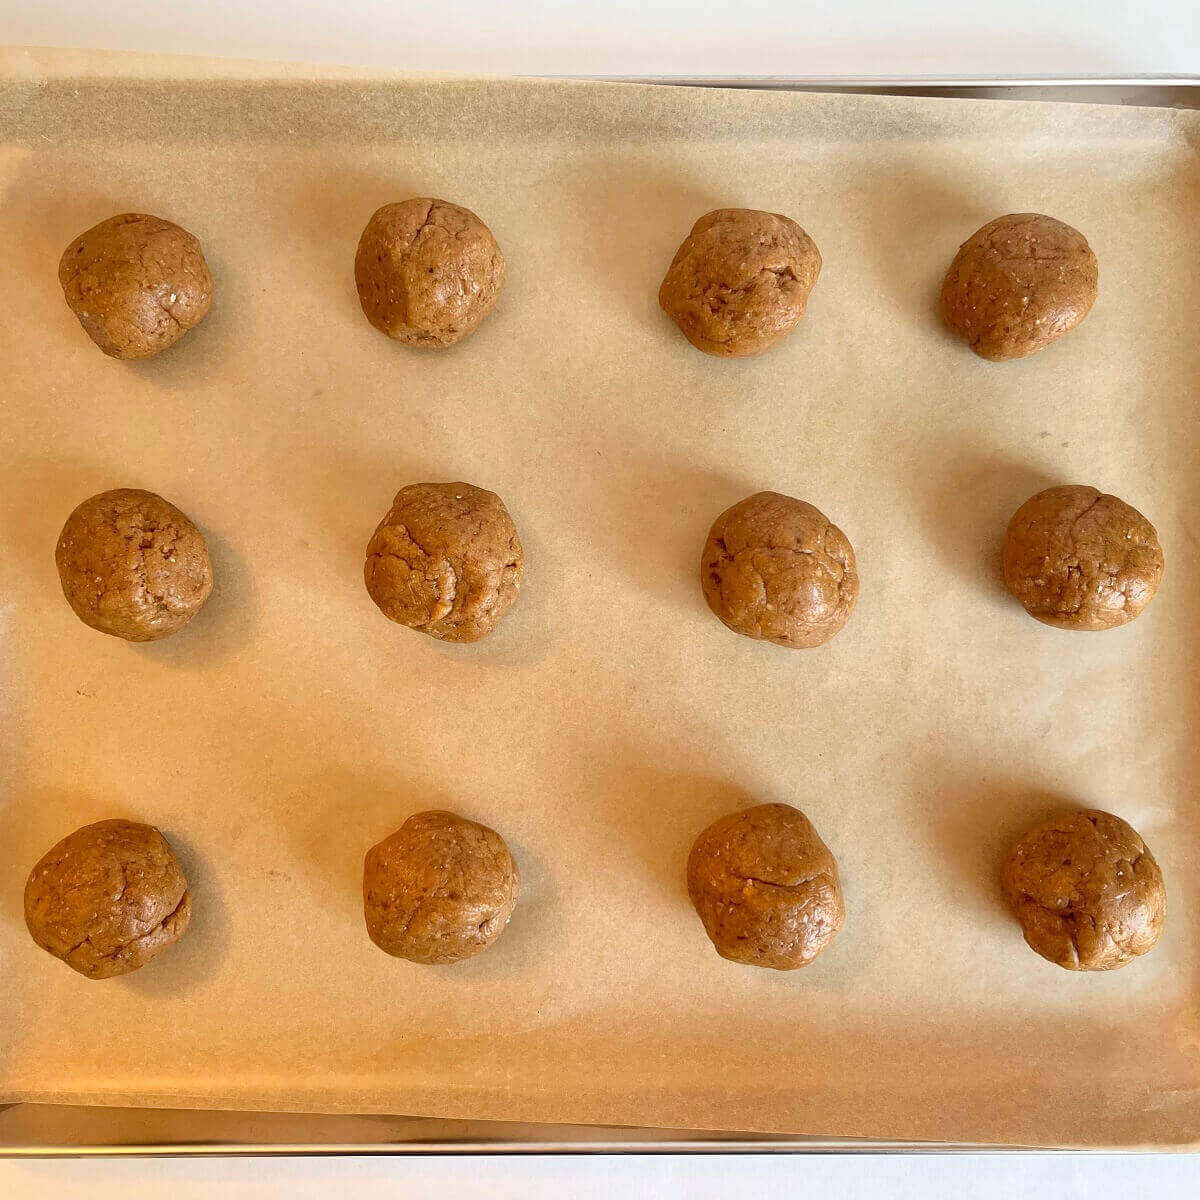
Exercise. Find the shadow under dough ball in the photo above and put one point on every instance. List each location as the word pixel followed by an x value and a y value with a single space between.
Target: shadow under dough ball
pixel 446 560
pixel 1018 284
pixel 427 272
pixel 1086 890
pixel 1079 559
pixel 740 281
pixel 137 284
pixel 776 569
pixel 108 898
pixel 766 887
pixel 439 890
pixel 133 566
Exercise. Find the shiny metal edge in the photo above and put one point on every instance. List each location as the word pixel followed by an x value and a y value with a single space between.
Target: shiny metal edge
pixel 92 1131
pixel 1156 91
pixel 54 1131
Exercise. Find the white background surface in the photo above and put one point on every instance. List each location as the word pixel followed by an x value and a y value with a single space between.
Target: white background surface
pixel 630 37
pixel 643 37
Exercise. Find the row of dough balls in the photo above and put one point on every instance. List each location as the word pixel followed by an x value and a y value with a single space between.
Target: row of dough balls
pixel 428 272
pixel 1086 890
pixel 446 560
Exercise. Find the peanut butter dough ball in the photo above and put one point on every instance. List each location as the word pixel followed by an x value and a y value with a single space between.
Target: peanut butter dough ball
pixel 775 568
pixel 1018 284
pixel 766 887
pixel 445 560
pixel 136 283
pixel 132 565
pixel 108 898
pixel 427 271
pixel 740 281
pixel 439 890
pixel 1086 890
pixel 1078 559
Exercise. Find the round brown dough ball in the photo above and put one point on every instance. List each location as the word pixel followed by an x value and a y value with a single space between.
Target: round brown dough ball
pixel 774 568
pixel 766 887
pixel 1018 284
pixel 1086 890
pixel 136 283
pixel 445 560
pixel 132 565
pixel 740 281
pixel 439 890
pixel 1078 559
pixel 108 898
pixel 427 272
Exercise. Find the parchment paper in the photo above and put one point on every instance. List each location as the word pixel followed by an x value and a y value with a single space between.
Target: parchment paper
pixel 611 717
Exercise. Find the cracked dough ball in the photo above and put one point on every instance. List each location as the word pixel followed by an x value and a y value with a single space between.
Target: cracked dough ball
pixel 1078 559
pixel 740 281
pixel 427 272
pixel 132 565
pixel 1018 284
pixel 774 568
pixel 1086 890
pixel 766 887
pixel 136 283
pixel 445 560
pixel 439 890
pixel 108 898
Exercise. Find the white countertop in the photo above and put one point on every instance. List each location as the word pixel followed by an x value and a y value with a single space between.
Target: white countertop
pixel 894 1177
pixel 629 37
pixel 643 37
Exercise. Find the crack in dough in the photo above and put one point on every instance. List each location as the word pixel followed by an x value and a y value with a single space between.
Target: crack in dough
pixel 445 560
pixel 1086 890
pixel 766 887
pixel 1018 284
pixel 108 898
pixel 428 272
pixel 740 281
pixel 1078 559
pixel 776 569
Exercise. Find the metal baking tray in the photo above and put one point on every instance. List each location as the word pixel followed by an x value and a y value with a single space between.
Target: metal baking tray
pixel 60 1130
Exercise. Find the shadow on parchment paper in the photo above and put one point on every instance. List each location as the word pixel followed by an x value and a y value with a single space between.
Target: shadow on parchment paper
pixel 49 209
pixel 49 492
pixel 975 819
pixel 634 217
pixel 327 214
pixel 911 231
pixel 223 627
pixel 651 518
pixel 204 947
pixel 44 493
pixel 336 816
pixel 966 508
pixel 344 497
pixel 39 818
pixel 664 811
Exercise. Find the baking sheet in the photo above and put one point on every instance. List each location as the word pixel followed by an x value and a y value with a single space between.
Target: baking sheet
pixel 611 717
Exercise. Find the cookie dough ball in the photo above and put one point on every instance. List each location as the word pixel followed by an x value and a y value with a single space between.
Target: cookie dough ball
pixel 427 272
pixel 108 898
pixel 445 560
pixel 740 281
pixel 1078 559
pixel 439 890
pixel 136 283
pixel 1086 890
pixel 132 565
pixel 775 568
pixel 766 887
pixel 1019 284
